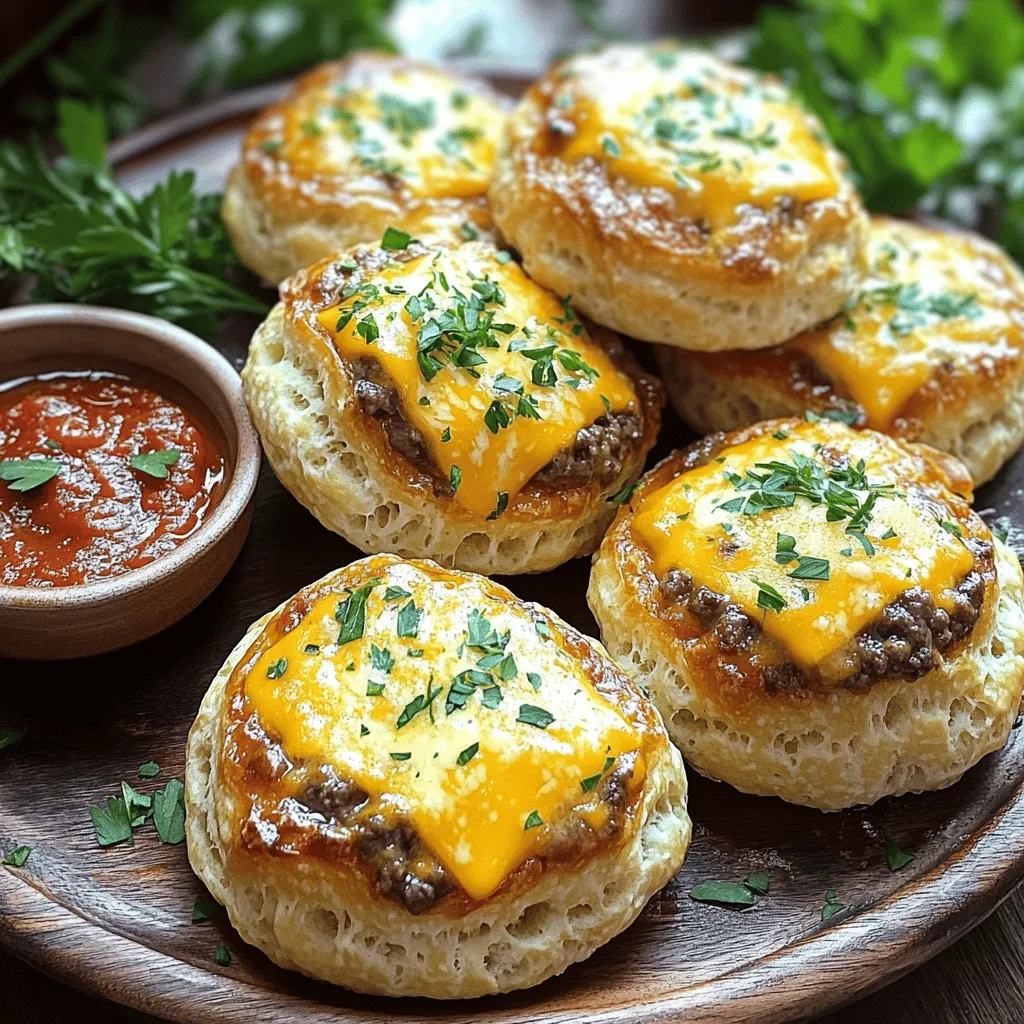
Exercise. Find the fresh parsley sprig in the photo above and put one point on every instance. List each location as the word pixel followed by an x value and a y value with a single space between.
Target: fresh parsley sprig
pixel 82 238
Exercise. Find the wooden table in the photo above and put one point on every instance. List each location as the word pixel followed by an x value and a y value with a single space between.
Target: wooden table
pixel 979 980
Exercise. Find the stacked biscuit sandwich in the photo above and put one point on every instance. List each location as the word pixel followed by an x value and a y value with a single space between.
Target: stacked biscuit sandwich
pixel 407 781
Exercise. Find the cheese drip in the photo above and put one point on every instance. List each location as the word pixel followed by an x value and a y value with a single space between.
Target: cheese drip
pixel 472 816
pixel 715 137
pixel 419 126
pixel 932 298
pixel 685 526
pixel 452 410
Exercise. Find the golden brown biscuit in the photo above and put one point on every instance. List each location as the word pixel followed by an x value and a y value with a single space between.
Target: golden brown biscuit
pixel 931 350
pixel 359 145
pixel 678 199
pixel 406 781
pixel 817 612
pixel 433 401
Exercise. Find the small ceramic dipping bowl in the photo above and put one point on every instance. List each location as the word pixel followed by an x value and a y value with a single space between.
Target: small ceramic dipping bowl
pixel 89 618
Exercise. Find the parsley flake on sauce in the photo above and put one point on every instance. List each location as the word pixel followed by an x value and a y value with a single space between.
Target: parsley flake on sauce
pixel 27 474
pixel 155 463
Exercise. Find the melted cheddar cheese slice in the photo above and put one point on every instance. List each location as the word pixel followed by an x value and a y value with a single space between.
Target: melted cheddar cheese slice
pixel 932 298
pixel 478 778
pixel 812 581
pixel 716 137
pixel 416 125
pixel 496 410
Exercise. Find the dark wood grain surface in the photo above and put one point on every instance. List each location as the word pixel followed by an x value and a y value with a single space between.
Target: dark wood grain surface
pixel 117 921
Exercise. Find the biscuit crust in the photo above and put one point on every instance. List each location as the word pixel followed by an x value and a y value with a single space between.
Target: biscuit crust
pixel 830 747
pixel 712 259
pixel 968 399
pixel 340 464
pixel 321 171
pixel 311 910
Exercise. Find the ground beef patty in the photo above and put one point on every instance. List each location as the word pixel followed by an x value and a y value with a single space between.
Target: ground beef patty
pixel 598 452
pixel 403 868
pixel 904 642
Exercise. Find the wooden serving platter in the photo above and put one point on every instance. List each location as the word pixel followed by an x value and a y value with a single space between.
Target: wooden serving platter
pixel 116 922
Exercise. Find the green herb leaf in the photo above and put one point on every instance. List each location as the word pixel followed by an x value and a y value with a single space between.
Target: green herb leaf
pixel 530 714
pixel 758 882
pixel 222 955
pixel 205 908
pixel 149 770
pixel 468 754
pixel 395 593
pixel 11 737
pixel 808 568
pixel 534 680
pixel 533 819
pixel 112 823
pixel 726 894
pixel 832 905
pixel 400 755
pixel 621 496
pixel 895 856
pixel 768 597
pixel 395 239
pixel 499 510
pixel 455 478
pixel 277 669
pixel 155 463
pixel 408 624
pixel 17 857
pixel 351 613
pixel 381 659
pixel 169 812
pixel 28 474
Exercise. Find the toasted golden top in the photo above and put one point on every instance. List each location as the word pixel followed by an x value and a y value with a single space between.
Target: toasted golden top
pixel 932 298
pixel 716 137
pixel 812 530
pixel 376 123
pixel 468 716
pixel 494 372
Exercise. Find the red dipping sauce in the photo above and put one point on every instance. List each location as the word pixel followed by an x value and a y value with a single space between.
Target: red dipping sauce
pixel 99 517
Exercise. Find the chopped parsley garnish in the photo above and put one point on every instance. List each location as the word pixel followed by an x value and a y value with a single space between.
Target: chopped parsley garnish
pixel 149 770
pixel 895 856
pixel 111 822
pixel 951 527
pixel 621 496
pixel 381 659
pixel 222 955
pixel 446 435
pixel 311 649
pixel 758 881
pixel 205 908
pixel 590 783
pixel 726 894
pixel 403 118
pixel 351 613
pixel 154 464
pixel 530 714
pixel 768 597
pixel 809 568
pixel 169 812
pixel 468 754
pixel 611 146
pixel 421 702
pixel 408 620
pixel 395 239
pixel 363 731
pixel 491 696
pixel 832 905
pixel 534 680
pixel 374 689
pixel 501 506
pixel 11 737
pixel 533 819
pixel 400 755
pixel 483 637
pixel 394 593
pixel 27 474
pixel 17 857
pixel 277 669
